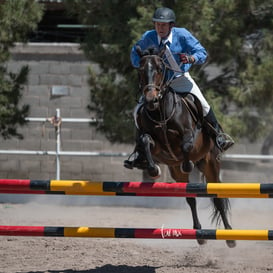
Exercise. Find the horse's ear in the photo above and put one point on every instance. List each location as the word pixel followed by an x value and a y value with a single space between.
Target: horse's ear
pixel 139 51
pixel 162 51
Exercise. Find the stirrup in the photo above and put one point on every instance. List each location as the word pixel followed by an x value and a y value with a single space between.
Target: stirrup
pixel 224 141
pixel 137 162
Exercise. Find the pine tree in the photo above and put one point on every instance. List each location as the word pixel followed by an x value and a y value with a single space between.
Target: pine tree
pixel 17 19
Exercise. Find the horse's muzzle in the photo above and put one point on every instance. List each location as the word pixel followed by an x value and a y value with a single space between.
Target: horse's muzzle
pixel 152 100
pixel 152 106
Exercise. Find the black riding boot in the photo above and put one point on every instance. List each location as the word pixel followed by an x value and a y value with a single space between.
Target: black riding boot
pixel 222 140
pixel 138 158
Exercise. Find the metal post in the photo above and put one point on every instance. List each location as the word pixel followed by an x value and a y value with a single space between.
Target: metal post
pixel 58 143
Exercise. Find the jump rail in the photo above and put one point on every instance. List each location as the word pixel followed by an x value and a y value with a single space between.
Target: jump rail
pixel 137 233
pixel 129 188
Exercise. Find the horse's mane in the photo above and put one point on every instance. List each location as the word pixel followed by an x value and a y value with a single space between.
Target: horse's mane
pixel 150 51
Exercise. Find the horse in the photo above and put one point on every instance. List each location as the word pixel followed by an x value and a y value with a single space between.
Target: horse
pixel 172 132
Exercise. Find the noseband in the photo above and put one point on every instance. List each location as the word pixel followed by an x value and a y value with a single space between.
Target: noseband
pixel 154 86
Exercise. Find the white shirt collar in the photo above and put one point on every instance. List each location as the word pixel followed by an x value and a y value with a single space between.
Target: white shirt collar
pixel 169 38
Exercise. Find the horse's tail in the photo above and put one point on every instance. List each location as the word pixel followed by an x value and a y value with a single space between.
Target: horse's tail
pixel 220 205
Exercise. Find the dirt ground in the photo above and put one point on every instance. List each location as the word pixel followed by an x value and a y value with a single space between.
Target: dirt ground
pixel 91 255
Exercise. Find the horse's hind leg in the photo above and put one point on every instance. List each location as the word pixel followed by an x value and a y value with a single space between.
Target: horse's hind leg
pixel 211 170
pixel 221 206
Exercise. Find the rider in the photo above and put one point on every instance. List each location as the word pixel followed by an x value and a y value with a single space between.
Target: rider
pixel 182 51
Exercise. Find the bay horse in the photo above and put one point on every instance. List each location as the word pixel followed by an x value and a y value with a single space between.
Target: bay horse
pixel 172 133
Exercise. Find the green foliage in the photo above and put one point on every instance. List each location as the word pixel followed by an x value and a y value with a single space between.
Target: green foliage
pixel 253 91
pixel 17 19
pixel 237 35
pixel 110 101
pixel 10 114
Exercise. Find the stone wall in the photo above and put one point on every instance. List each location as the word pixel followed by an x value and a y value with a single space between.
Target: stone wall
pixel 58 79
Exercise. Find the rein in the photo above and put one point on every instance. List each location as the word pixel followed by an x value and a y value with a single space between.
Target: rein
pixel 163 124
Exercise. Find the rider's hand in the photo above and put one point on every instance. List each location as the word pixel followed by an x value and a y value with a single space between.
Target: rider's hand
pixel 186 59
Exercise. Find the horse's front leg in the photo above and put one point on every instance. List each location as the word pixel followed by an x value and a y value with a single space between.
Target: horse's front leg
pixel 148 143
pixel 196 224
pixel 178 176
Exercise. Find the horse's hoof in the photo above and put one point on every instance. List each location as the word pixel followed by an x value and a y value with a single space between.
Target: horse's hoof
pixel 187 167
pixel 128 164
pixel 231 243
pixel 201 242
pixel 155 172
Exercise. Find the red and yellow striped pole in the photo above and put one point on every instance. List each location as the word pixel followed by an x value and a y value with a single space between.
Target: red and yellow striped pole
pixel 131 188
pixel 137 233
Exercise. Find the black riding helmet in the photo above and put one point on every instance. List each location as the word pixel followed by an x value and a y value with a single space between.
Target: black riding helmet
pixel 164 15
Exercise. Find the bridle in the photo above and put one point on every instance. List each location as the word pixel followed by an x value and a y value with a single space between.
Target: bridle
pixel 165 82
pixel 161 87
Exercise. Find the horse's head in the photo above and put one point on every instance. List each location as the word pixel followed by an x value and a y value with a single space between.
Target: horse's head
pixel 151 75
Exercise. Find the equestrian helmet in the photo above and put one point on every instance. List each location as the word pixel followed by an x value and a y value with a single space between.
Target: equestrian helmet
pixel 164 15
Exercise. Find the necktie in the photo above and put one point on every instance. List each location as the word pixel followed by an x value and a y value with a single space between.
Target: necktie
pixel 162 43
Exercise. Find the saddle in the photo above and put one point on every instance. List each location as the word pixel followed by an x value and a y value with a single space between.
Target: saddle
pixel 195 108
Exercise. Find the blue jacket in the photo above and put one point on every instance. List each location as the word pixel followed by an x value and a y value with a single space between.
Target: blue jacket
pixel 182 41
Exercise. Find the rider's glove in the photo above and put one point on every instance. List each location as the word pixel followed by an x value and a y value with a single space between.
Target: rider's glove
pixel 186 59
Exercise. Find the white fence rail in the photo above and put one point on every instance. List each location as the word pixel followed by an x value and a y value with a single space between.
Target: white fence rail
pixel 56 122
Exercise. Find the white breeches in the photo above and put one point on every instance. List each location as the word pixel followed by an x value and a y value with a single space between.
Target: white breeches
pixel 182 84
